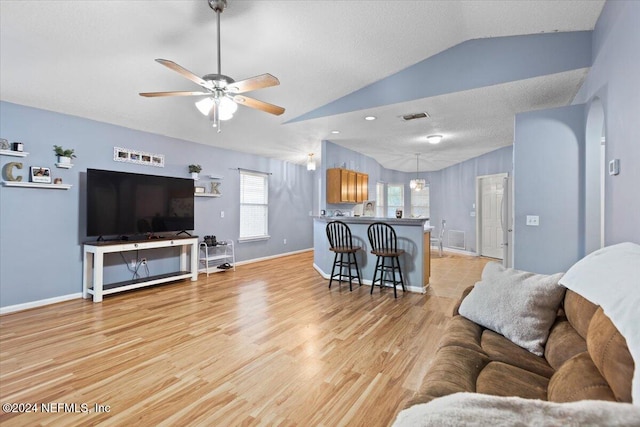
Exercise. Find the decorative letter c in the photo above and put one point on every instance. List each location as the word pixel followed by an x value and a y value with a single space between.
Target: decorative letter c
pixel 8 170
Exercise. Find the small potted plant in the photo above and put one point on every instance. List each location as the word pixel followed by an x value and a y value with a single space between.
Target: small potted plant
pixel 64 155
pixel 195 170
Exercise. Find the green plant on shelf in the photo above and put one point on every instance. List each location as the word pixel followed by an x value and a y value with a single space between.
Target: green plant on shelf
pixel 61 152
pixel 195 168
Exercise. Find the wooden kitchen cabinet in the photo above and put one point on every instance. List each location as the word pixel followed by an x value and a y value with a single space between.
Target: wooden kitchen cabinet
pixel 345 186
pixel 362 187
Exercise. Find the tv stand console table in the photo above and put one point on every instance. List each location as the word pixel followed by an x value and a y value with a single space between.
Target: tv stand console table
pixel 92 275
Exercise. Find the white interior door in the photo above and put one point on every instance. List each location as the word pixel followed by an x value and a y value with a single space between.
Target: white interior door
pixel 491 211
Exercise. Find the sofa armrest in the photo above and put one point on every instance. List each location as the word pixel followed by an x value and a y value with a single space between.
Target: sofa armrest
pixel 464 294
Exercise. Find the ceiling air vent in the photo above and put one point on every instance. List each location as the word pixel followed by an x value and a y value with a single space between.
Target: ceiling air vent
pixel 414 116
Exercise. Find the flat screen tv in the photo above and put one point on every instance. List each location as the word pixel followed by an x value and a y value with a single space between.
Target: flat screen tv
pixel 125 204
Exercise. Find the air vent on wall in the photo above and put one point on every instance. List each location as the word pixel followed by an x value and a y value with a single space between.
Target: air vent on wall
pixel 414 116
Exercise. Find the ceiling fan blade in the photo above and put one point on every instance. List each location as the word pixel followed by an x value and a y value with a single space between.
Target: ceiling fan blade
pixel 253 83
pixel 258 105
pixel 176 93
pixel 183 71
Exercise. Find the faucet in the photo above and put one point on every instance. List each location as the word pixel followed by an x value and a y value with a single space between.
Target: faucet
pixel 337 213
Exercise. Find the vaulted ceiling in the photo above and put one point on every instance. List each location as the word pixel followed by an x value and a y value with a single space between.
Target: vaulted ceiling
pixel 462 62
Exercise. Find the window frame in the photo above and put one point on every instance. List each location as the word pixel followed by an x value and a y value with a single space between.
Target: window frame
pixel 264 203
pixel 395 207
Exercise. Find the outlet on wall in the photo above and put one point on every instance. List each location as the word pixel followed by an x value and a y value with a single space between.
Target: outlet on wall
pixel 143 261
pixel 284 241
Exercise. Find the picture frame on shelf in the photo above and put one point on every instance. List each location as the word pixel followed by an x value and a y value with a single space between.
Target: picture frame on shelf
pixel 199 190
pixel 40 174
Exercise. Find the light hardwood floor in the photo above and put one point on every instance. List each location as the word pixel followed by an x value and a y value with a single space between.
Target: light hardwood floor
pixel 268 344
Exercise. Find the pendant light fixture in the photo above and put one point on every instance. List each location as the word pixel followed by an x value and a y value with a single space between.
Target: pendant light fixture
pixel 311 163
pixel 417 183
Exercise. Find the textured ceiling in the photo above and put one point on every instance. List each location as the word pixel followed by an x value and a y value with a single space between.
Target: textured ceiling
pixel 91 58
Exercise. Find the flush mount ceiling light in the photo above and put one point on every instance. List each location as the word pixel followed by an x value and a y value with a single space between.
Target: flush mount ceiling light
pixel 434 139
pixel 311 163
pixel 369 118
pixel 417 183
pixel 335 131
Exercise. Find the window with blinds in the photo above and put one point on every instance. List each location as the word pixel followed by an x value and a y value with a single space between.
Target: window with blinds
pixel 395 199
pixel 254 205
pixel 420 203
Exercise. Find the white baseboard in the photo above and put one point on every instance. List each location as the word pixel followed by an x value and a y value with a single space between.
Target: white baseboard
pixel 250 261
pixel 40 303
pixel 367 282
pixel 455 251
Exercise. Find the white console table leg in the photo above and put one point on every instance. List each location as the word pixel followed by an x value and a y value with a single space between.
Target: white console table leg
pixel 194 261
pixel 98 259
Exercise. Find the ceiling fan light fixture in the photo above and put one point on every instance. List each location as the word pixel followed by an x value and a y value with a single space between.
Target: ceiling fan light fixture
pixel 227 108
pixel 205 105
pixel 370 118
pixel 434 139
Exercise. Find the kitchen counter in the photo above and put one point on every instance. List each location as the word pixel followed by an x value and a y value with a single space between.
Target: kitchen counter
pixel 413 236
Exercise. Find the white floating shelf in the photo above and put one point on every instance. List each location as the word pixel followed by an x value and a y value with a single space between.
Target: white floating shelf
pixel 207 195
pixel 36 185
pixel 216 176
pixel 64 165
pixel 14 153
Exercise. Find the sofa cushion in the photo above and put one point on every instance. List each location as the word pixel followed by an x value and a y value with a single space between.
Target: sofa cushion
pixel 578 379
pixel 500 349
pixel 463 333
pixel 454 369
pixel 500 379
pixel 609 352
pixel 564 342
pixel 579 312
pixel 520 305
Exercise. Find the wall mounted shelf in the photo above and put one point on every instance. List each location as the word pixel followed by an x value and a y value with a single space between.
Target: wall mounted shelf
pixel 216 177
pixel 13 153
pixel 64 165
pixel 36 185
pixel 207 195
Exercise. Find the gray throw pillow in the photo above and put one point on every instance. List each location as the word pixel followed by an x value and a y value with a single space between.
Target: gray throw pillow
pixel 519 305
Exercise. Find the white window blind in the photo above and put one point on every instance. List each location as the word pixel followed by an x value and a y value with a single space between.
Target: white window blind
pixel 381 206
pixel 395 199
pixel 254 205
pixel 420 203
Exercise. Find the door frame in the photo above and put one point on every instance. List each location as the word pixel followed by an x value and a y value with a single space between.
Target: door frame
pixel 505 212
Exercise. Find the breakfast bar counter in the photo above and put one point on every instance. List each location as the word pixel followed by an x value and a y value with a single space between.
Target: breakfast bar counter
pixel 412 235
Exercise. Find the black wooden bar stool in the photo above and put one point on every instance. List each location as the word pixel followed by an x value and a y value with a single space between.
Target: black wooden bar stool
pixel 384 245
pixel 341 243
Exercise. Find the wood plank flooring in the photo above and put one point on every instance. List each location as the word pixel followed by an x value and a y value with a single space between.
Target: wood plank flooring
pixel 268 344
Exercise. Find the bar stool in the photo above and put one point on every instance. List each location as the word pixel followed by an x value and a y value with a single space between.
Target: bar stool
pixel 340 242
pixel 384 245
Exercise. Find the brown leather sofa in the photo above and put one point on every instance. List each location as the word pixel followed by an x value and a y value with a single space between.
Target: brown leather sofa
pixel 585 357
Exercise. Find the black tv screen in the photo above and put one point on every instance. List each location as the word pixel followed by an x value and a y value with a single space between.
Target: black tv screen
pixel 122 203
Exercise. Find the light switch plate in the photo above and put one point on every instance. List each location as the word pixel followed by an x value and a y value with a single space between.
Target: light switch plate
pixel 533 220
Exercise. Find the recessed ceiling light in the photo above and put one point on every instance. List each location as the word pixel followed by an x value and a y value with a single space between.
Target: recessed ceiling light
pixel 369 118
pixel 434 139
pixel 335 131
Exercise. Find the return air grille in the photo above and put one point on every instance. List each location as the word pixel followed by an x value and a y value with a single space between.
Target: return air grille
pixel 456 239
pixel 414 116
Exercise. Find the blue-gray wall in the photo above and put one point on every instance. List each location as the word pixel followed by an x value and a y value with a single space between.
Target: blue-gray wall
pixel 452 190
pixel 613 79
pixel 42 230
pixel 547 182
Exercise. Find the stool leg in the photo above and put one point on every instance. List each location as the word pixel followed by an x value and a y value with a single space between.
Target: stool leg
pixel 400 271
pixel 349 270
pixel 335 260
pixel 393 274
pixel 375 273
pixel 355 262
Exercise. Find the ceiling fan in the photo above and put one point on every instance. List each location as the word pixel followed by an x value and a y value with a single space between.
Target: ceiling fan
pixel 222 93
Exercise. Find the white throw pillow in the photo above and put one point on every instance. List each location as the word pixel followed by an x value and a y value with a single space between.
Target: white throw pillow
pixel 520 305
